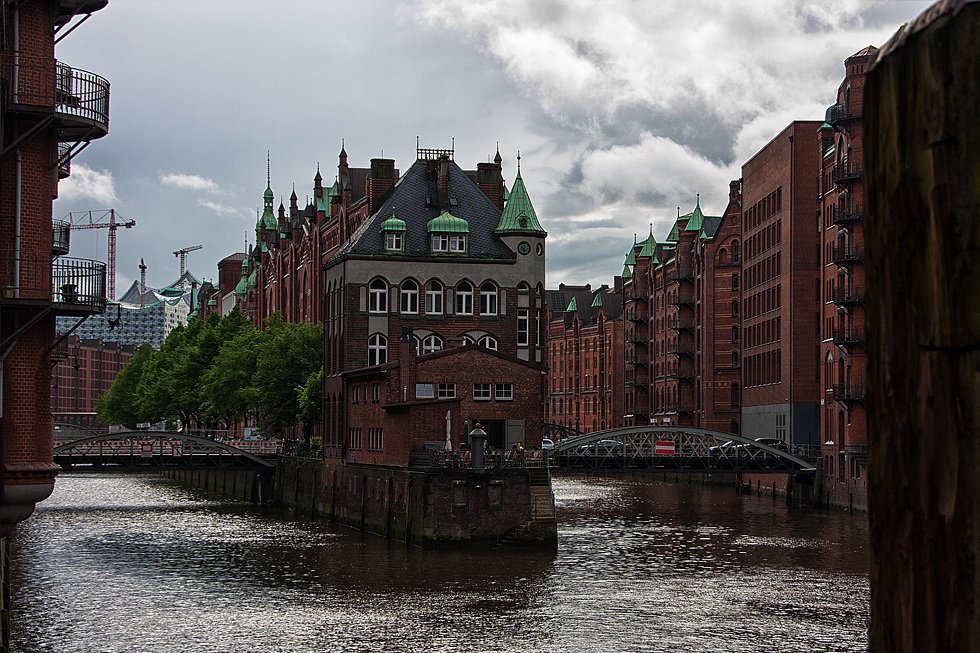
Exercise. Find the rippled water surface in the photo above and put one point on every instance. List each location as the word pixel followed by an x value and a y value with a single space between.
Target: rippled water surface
pixel 127 563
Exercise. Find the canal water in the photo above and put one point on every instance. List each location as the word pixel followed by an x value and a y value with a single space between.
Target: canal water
pixel 134 563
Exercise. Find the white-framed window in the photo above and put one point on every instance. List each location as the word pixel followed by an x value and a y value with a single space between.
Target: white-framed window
pixel 377 349
pixel 440 242
pixel 378 296
pixel 433 298
pixel 394 241
pixel 522 327
pixel 488 299
pixel 503 391
pixel 464 298
pixel 409 297
pixel 431 344
pixel 481 392
pixel 489 342
pixel 425 391
pixel 457 243
pixel 447 390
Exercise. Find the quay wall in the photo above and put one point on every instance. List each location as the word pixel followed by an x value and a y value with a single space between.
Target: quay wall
pixel 245 485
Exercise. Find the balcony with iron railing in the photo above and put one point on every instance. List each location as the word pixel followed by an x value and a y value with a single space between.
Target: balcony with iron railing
pixel 679 323
pixel 69 286
pixel 680 348
pixel 678 299
pixel 637 339
pixel 682 374
pixel 681 407
pixel 847 253
pixel 849 336
pixel 848 295
pixel 850 392
pixel 850 168
pixel 39 87
pixel 681 274
pixel 60 237
pixel 844 216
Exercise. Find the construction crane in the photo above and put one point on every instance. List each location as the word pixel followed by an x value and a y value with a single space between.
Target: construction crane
pixel 182 253
pixel 101 223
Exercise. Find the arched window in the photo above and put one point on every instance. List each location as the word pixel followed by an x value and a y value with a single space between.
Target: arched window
pixel 734 334
pixel 488 299
pixel 464 298
pixel 734 308
pixel 409 297
pixel 431 344
pixel 733 427
pixel 377 349
pixel 736 251
pixel 433 298
pixel 489 342
pixel 378 296
pixel 734 282
pixel 736 399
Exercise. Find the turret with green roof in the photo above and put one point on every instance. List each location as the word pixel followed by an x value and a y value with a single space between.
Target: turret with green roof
pixel 696 219
pixel 518 216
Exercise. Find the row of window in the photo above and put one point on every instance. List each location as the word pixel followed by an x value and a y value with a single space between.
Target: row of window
pixel 481 391
pixel 378 346
pixel 764 208
pixel 375 439
pixel 408 297
pixel 440 243
pixel 769 299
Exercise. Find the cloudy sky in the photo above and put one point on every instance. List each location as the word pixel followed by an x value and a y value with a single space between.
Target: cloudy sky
pixel 622 110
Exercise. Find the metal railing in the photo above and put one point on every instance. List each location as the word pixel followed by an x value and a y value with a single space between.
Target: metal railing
pixel 848 253
pixel 67 281
pixel 848 214
pixel 494 459
pixel 850 167
pixel 45 82
pixel 682 298
pixel 679 274
pixel 848 295
pixel 850 392
pixel 676 324
pixel 849 336
pixel 60 237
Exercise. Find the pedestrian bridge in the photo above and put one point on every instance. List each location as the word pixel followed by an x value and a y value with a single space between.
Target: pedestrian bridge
pixel 154 451
pixel 677 449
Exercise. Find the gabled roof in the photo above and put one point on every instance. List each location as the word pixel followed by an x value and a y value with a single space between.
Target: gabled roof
pixel 696 217
pixel 415 200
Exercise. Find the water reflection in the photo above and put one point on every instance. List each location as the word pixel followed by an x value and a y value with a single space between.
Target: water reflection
pixel 118 563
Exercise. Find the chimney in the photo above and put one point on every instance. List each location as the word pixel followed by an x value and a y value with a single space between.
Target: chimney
pixel 489 180
pixel 443 183
pixel 380 183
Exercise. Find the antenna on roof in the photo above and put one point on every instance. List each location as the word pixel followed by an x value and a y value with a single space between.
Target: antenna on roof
pixel 268 168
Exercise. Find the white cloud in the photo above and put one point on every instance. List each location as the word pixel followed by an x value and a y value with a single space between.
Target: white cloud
pixel 220 209
pixel 85 183
pixel 190 182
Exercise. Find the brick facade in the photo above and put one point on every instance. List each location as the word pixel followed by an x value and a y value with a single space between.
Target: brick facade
pixel 83 370
pixel 43 117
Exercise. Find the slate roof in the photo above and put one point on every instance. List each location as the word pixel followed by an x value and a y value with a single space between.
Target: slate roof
pixel 415 200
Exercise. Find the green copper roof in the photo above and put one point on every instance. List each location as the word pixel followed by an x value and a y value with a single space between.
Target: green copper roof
pixel 696 219
pixel 675 233
pixel 597 302
pixel 268 193
pixel 396 224
pixel 506 193
pixel 649 245
pixel 212 302
pixel 446 222
pixel 627 273
pixel 518 215
pixel 631 256
pixel 253 279
pixel 572 306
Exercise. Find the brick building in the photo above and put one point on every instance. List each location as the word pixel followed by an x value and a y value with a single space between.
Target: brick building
pixel 48 112
pixel 781 287
pixel 83 370
pixel 842 354
pixel 402 405
pixel 585 357
pixel 681 301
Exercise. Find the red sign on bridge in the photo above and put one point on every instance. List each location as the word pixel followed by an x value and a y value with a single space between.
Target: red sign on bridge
pixel 664 448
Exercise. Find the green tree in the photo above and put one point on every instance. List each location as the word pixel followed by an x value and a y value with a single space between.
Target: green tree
pixel 228 393
pixel 118 404
pixel 310 398
pixel 285 362
pixel 155 392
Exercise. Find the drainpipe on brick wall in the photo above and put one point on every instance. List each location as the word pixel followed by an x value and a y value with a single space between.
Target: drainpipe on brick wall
pixel 791 434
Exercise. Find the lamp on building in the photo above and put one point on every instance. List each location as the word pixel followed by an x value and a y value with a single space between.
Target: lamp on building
pixel 478 439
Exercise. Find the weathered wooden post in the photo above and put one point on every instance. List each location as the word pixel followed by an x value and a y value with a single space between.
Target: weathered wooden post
pixel 922 162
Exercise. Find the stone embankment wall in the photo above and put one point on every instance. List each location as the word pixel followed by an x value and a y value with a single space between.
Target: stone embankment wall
pixel 246 485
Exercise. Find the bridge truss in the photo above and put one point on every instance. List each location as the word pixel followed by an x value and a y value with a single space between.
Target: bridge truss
pixel 676 449
pixel 152 451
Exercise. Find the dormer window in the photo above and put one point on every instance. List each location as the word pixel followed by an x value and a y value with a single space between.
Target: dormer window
pixel 394 241
pixel 447 234
pixel 393 230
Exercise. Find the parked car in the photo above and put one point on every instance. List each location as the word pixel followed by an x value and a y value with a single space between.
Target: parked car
pixel 602 448
pixel 547 444
pixel 724 448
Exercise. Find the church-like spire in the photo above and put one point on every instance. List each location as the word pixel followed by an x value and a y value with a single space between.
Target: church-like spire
pixel 518 216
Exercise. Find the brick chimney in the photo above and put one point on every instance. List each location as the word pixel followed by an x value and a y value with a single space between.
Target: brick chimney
pixel 380 183
pixel 443 183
